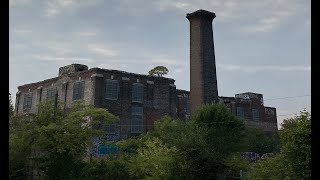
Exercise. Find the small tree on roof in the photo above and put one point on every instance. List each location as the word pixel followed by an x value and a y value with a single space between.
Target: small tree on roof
pixel 159 71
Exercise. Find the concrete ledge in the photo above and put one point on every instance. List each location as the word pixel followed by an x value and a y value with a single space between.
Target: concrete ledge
pixel 125 79
pixel 150 82
pixel 96 75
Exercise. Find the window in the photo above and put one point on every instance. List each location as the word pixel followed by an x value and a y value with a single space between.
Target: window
pixel 150 91
pixel 137 119
pixel 112 88
pixel 240 112
pixel 112 128
pixel 137 92
pixel 50 93
pixel 255 114
pixel 27 102
pixel 78 90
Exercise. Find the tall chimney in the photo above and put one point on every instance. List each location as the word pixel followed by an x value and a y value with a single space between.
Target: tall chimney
pixel 203 77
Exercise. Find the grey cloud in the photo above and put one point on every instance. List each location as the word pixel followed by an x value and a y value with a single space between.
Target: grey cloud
pixel 254 69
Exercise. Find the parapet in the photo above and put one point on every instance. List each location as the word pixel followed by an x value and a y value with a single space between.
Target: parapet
pixel 72 68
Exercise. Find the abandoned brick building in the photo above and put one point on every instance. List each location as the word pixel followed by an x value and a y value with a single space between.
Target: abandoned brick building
pixel 139 100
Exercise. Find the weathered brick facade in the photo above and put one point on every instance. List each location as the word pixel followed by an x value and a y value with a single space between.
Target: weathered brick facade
pixel 159 95
pixel 245 104
pixel 138 98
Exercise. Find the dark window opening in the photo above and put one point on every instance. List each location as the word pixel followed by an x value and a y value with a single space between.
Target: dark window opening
pixel 50 93
pixel 137 92
pixel 112 89
pixel 240 112
pixel 78 90
pixel 137 119
pixel 255 114
pixel 27 103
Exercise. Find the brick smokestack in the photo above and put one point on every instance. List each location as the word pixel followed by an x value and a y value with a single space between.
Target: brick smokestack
pixel 203 77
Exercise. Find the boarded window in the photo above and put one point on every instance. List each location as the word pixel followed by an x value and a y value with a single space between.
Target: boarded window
pixel 112 89
pixel 78 90
pixel 137 92
pixel 240 112
pixel 27 102
pixel 255 114
pixel 50 93
pixel 137 119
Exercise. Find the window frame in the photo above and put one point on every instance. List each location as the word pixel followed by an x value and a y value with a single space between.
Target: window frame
pixel 139 91
pixel 255 115
pixel 112 89
pixel 240 109
pixel 80 90
pixel 52 92
pixel 27 98
pixel 137 119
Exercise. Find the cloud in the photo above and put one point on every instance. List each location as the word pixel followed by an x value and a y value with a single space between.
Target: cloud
pixel 121 67
pixel 64 59
pixel 86 34
pixel 13 3
pixel 21 32
pixel 164 5
pixel 56 7
pixel 254 69
pixel 103 51
pixel 252 15
pixel 263 25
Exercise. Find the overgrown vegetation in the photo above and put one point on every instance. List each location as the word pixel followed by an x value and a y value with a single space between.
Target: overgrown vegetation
pixel 58 145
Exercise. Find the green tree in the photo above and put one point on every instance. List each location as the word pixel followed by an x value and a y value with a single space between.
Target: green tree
pixel 224 129
pixel 234 163
pixel 294 160
pixel 111 167
pixel 295 139
pixel 272 168
pixel 19 146
pixel 198 148
pixel 159 71
pixel 156 161
pixel 255 140
pixel 212 135
pixel 58 143
pixel 11 109
pixel 189 140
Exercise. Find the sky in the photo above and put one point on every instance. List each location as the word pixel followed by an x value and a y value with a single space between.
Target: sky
pixel 260 46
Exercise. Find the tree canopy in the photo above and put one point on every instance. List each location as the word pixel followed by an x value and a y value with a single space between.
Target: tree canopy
pixel 57 143
pixel 11 109
pixel 159 71
pixel 294 159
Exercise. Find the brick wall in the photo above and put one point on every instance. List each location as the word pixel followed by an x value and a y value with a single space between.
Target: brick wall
pixel 203 79
pixel 63 84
